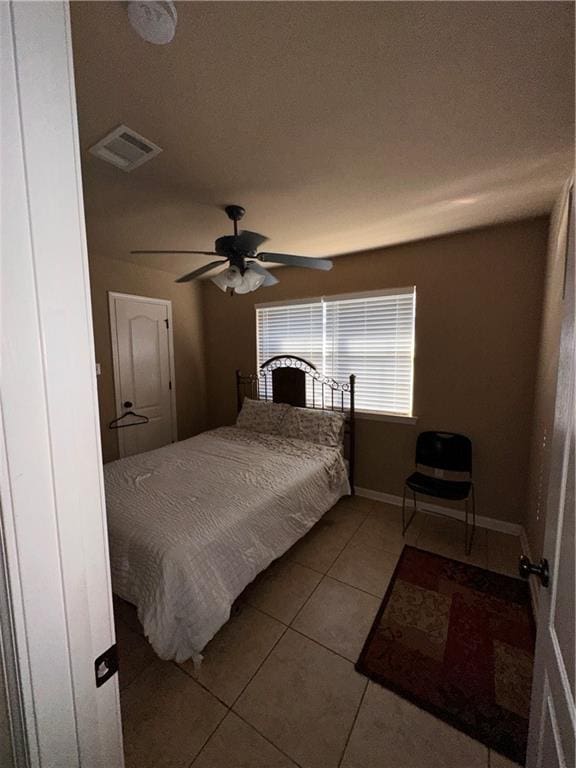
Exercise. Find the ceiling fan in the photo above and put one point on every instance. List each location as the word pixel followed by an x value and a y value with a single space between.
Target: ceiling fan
pixel 244 272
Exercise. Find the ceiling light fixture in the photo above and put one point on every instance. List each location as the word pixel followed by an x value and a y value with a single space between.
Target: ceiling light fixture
pixel 154 20
pixel 238 282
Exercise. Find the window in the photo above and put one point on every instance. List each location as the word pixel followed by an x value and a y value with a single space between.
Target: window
pixel 368 334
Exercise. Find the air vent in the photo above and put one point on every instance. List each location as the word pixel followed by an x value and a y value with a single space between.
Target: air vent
pixel 125 148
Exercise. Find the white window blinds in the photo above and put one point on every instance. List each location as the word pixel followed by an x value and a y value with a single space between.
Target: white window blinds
pixel 370 335
pixel 291 329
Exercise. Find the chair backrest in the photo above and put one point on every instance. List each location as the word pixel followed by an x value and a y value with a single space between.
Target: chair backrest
pixel 444 450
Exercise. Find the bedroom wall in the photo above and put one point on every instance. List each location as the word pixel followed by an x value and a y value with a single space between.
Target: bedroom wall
pixel 114 275
pixel 479 300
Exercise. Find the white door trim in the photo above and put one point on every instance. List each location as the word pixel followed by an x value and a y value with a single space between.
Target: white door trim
pixel 51 477
pixel 112 296
pixel 552 704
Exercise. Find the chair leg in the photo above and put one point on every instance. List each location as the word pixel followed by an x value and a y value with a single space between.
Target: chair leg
pixel 467 544
pixel 406 525
pixel 404 511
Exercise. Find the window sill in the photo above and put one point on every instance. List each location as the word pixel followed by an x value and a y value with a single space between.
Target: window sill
pixel 393 417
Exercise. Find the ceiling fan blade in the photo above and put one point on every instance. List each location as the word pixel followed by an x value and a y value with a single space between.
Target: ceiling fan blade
pixel 200 253
pixel 269 278
pixel 200 271
pixel 297 261
pixel 248 241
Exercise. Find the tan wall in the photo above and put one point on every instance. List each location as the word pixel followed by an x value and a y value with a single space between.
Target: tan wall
pixel 479 299
pixel 545 390
pixel 114 275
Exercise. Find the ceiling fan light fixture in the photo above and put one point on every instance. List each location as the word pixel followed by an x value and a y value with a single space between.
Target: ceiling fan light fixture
pixel 221 280
pixel 229 278
pixel 234 277
pixel 240 283
pixel 252 279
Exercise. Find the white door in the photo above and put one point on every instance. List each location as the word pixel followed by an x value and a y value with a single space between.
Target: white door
pixel 53 521
pixel 552 725
pixel 143 372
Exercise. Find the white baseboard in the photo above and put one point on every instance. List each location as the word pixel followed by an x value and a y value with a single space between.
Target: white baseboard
pixel 482 522
pixel 533 580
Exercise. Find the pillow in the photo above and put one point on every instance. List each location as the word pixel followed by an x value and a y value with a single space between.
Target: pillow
pixel 315 426
pixel 261 416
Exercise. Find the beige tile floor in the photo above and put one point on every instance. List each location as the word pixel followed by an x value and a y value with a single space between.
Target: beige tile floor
pixel 277 688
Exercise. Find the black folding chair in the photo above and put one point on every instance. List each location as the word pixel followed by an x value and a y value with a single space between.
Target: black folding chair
pixel 443 451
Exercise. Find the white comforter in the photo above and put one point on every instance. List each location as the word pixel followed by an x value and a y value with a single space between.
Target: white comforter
pixel 193 523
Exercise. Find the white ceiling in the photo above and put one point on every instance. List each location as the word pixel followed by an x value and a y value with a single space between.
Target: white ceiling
pixel 339 126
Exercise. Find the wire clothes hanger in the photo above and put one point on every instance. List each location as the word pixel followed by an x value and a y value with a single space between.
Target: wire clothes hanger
pixel 115 423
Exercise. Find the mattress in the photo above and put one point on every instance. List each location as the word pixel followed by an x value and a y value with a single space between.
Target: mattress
pixel 192 524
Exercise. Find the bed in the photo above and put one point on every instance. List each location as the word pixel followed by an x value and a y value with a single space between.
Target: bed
pixel 193 523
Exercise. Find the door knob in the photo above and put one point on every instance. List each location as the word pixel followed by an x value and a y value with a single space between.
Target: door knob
pixel 127 404
pixel 541 570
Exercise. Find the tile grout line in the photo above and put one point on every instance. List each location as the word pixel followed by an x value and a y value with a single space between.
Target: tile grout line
pixel 290 626
pixel 229 707
pixel 303 634
pixel 286 755
pixel 175 665
pixel 353 586
pixel 387 552
pixel 314 570
pixel 305 603
pixel 259 665
pixel 205 744
pixel 282 621
pixel 326 648
pixel 330 650
pixel 207 739
pixel 199 683
pixel 298 632
pixel 216 696
pixel 353 724
pixel 324 574
pixel 348 540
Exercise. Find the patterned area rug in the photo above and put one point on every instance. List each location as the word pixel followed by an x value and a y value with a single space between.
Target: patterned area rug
pixel 457 641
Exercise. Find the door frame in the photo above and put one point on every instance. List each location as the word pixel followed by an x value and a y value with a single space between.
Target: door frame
pixel 552 696
pixel 53 516
pixel 112 297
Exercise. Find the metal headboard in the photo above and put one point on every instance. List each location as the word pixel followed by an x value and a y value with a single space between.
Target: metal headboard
pixel 295 381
